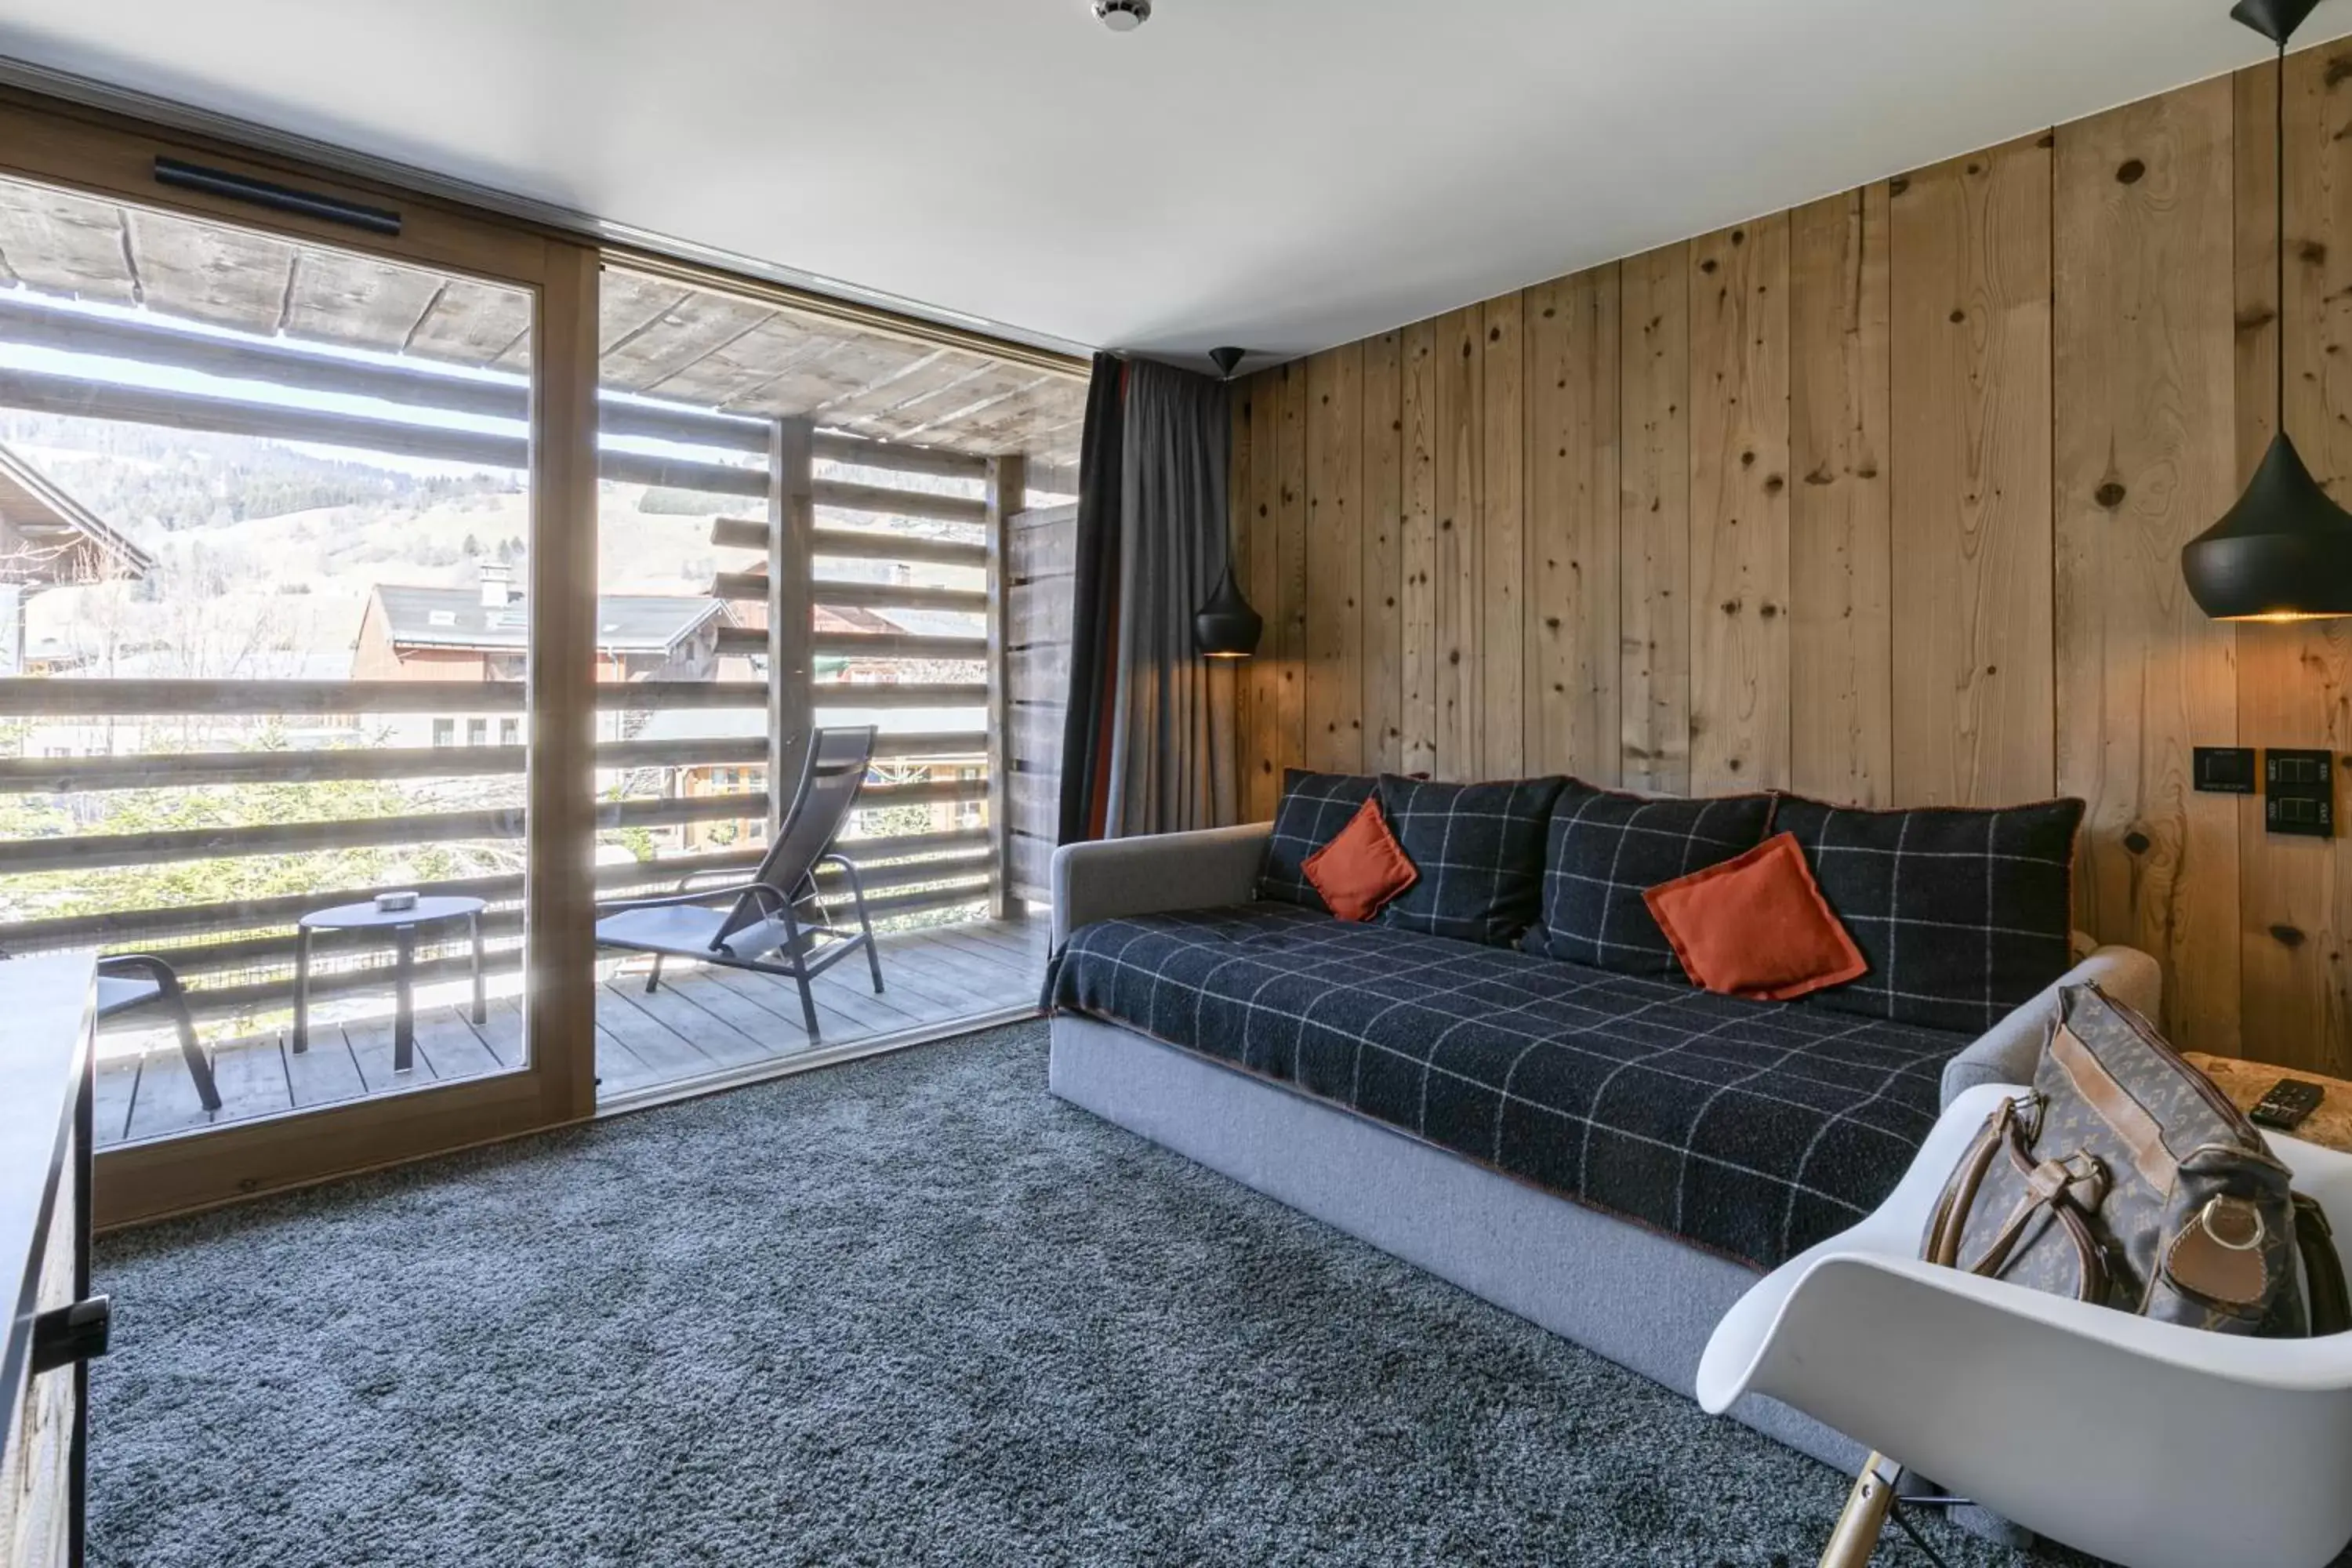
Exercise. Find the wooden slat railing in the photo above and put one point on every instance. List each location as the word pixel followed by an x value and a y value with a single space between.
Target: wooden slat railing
pixel 92 851
pixel 891 500
pixel 910 873
pixel 121 927
pixel 830 544
pixel 64 775
pixel 886 695
pixel 60 697
pixel 898 596
pixel 34 697
pixel 58 776
pixel 899 646
pixel 752 588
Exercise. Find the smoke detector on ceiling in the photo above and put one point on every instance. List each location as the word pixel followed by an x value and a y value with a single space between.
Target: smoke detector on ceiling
pixel 1123 15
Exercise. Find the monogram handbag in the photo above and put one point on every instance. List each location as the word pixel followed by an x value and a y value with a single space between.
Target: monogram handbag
pixel 2128 1179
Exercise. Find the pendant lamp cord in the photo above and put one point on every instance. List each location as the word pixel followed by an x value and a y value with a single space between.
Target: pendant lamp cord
pixel 2278 353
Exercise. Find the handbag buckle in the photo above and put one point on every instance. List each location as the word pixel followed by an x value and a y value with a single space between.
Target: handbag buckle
pixel 2221 1204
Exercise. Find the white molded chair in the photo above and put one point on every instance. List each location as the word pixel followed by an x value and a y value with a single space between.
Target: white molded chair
pixel 2157 1445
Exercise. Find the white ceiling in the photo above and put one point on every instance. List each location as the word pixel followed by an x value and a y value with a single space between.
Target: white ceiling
pixel 1280 173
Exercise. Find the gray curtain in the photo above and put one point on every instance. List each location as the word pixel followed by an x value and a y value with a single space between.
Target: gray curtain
pixel 1172 760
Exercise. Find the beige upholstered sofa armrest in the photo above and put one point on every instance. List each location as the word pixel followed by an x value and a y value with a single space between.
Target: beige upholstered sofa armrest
pixel 1155 874
pixel 2011 1049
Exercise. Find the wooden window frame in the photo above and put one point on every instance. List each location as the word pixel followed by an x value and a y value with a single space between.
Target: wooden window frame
pixel 112 157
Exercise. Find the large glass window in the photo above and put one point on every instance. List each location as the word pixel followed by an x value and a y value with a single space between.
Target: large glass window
pixel 269 647
pixel 701 391
pixel 265 530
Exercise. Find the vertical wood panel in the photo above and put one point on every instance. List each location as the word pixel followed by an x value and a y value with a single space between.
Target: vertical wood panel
pixel 1335 560
pixel 1262 752
pixel 791 626
pixel 1418 567
pixel 1964 618
pixel 2144 368
pixel 1287 617
pixel 1502 544
pixel 1008 495
pixel 2295 682
pixel 1572 523
pixel 1653 661
pixel 1739 508
pixel 1460 586
pixel 1383 527
pixel 1973 682
pixel 560 901
pixel 1841 656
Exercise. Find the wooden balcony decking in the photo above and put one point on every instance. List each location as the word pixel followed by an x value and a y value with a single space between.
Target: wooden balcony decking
pixel 702 1024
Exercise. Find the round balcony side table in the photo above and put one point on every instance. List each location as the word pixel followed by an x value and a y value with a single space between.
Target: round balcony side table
pixel 404 925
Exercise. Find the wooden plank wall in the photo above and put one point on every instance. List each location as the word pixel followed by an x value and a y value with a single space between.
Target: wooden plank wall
pixel 1880 499
pixel 1041 554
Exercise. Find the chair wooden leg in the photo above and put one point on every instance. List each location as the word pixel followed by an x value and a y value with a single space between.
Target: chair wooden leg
pixel 1855 1538
pixel 653 981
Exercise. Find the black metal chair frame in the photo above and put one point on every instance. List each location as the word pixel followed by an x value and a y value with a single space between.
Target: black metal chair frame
pixel 764 899
pixel 173 998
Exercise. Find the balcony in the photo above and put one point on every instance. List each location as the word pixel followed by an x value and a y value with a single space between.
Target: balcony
pixel 703 1028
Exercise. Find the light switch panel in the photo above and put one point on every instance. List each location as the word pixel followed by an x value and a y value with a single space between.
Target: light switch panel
pixel 2299 791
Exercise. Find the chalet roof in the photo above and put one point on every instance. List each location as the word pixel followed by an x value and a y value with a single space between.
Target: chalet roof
pixel 53 535
pixel 662 339
pixel 456 617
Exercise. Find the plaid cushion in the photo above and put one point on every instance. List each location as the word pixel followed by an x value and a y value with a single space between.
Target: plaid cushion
pixel 1752 1128
pixel 1605 848
pixel 1479 850
pixel 1963 914
pixel 1315 807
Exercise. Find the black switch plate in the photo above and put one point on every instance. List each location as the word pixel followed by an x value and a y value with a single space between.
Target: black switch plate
pixel 2299 791
pixel 2226 770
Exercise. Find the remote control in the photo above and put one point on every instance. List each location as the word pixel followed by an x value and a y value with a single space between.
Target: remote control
pixel 2288 1103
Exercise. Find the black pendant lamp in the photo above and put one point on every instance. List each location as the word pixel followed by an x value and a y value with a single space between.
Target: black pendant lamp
pixel 2284 551
pixel 1227 628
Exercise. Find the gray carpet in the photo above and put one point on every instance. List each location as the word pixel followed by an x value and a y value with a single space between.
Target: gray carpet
pixel 912 1310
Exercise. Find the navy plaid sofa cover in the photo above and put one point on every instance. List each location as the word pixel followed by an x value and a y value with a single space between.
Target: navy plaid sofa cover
pixel 1750 1129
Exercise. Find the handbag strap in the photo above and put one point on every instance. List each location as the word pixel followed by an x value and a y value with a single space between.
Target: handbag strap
pixel 2323 1268
pixel 2051 1186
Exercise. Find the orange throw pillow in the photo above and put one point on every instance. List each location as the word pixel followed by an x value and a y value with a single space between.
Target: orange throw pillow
pixel 1757 926
pixel 1363 867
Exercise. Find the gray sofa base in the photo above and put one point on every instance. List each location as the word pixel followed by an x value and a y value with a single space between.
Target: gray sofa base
pixel 1643 1300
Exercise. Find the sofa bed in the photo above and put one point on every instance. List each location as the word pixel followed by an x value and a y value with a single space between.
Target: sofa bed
pixel 1506 1077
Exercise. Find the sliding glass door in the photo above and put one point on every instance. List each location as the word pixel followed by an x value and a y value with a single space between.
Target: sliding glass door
pixel 297 594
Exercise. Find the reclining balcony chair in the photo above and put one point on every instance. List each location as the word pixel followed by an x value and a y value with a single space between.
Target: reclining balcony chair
pixel 2149 1443
pixel 775 923
pixel 133 980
